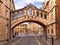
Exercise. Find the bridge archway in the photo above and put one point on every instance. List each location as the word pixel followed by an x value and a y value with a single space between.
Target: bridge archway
pixel 44 26
pixel 40 21
pixel 35 19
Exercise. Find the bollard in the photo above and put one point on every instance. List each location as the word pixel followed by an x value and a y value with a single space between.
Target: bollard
pixel 52 41
pixel 7 40
pixel 46 37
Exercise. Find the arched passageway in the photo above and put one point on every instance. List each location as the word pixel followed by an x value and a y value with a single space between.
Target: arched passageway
pixel 34 21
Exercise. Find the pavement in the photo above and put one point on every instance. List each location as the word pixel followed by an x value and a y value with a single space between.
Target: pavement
pixel 26 41
pixel 43 42
pixel 9 42
pixel 49 41
pixel 3 42
pixel 56 41
pixel 29 40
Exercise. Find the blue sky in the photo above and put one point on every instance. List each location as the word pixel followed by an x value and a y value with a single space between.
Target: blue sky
pixel 22 3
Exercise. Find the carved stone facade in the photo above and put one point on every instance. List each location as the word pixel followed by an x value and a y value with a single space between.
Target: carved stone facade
pixel 29 13
pixel 53 17
pixel 5 6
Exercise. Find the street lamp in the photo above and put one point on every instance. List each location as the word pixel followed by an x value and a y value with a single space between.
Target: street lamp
pixel 52 39
pixel 7 29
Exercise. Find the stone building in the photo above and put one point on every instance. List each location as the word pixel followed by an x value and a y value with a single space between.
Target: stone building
pixel 53 17
pixel 35 28
pixel 5 8
pixel 29 11
pixel 20 29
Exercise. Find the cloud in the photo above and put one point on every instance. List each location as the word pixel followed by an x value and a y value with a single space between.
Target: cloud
pixel 22 3
pixel 40 0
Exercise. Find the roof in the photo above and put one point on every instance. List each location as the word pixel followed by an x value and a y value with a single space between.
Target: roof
pixel 30 5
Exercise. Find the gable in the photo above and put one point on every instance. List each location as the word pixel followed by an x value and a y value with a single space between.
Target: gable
pixel 30 6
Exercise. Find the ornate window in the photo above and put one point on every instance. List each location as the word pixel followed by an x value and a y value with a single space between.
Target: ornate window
pixel 6 14
pixel 45 17
pixel 52 29
pixel 22 13
pixel 0 8
pixel 18 14
pixel 51 15
pixel 6 30
pixel 12 16
pixel 41 14
pixel 29 12
pixel 37 13
pixel 48 30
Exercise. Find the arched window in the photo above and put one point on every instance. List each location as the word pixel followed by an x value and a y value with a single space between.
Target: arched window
pixel 6 14
pixel 12 16
pixel 18 14
pixel 29 11
pixel 0 8
pixel 22 13
pixel 6 28
pixel 41 14
pixel 37 13
pixel 45 17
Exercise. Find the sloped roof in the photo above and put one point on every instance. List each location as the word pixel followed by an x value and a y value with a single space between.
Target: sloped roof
pixel 32 6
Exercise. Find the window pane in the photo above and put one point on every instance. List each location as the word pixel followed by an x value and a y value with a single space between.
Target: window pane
pixel 6 14
pixel 0 8
pixel 22 13
pixel 30 11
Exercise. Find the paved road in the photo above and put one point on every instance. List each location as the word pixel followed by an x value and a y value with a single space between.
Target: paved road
pixel 27 41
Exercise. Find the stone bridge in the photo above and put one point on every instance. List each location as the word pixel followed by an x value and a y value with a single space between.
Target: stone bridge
pixel 30 13
pixel 26 18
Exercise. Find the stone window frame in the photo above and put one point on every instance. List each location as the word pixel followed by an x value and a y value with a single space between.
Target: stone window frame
pixel 45 16
pixel 0 8
pixel 41 14
pixel 6 15
pixel 22 13
pixel 48 31
pixel 52 29
pixel 51 15
pixel 29 11
pixel 6 30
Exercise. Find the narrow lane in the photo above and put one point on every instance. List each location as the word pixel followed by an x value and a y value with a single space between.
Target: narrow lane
pixel 41 40
pixel 27 41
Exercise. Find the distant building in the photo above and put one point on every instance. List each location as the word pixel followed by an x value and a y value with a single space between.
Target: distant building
pixel 35 28
pixel 20 29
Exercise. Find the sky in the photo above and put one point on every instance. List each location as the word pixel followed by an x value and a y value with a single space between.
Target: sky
pixel 22 3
